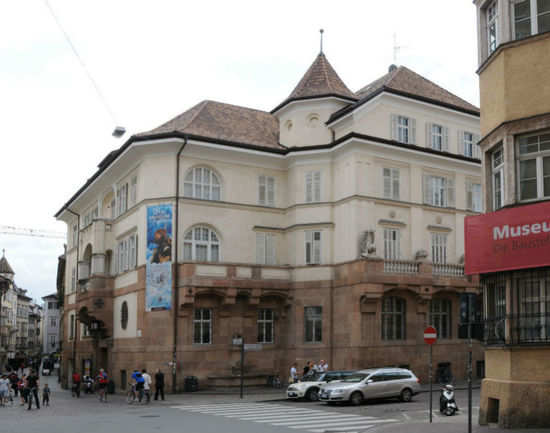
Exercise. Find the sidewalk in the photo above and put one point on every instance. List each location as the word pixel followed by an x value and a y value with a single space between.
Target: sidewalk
pixel 448 427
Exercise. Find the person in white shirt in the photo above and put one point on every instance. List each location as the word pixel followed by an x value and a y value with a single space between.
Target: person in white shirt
pixel 147 381
pixel 323 366
pixel 4 389
pixel 293 374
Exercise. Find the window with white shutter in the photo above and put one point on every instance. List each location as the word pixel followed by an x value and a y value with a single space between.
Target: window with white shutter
pixel 473 196
pixel 437 137
pixel 313 247
pixel 439 248
pixel 391 244
pixel 133 191
pixel 391 183
pixel 266 190
pixel 265 249
pixel 313 186
pixel 439 191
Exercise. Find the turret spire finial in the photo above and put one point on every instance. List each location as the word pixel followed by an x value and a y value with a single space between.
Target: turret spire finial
pixel 321 31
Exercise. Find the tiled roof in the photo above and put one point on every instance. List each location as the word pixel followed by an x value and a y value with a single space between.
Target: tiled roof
pixel 227 122
pixel 319 80
pixel 402 80
pixel 5 267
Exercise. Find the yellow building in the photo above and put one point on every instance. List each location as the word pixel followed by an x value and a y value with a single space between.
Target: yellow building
pixel 514 60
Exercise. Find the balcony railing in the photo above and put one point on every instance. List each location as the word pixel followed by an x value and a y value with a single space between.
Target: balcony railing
pixel 401 267
pixel 448 270
pixel 525 329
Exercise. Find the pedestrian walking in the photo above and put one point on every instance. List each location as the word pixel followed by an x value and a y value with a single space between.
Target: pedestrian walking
pixel 293 378
pixel 138 378
pixel 23 390
pixel 46 395
pixel 4 389
pixel 306 369
pixel 76 385
pixel 102 381
pixel 323 366
pixel 32 384
pixel 159 384
pixel 146 385
pixel 13 380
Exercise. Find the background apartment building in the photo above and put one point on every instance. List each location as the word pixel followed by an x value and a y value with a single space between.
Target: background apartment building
pixel 514 42
pixel 329 228
pixel 51 325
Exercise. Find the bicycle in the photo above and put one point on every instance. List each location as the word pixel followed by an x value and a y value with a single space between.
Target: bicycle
pixel 131 395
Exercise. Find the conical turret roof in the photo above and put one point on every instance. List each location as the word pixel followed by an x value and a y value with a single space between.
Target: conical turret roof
pixel 5 267
pixel 319 80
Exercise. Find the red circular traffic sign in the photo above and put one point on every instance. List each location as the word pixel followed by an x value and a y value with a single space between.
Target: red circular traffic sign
pixel 430 335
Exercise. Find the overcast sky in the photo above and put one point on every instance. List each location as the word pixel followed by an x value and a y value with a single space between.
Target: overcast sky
pixel 154 59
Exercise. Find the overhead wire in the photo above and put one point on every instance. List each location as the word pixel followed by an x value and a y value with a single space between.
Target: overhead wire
pixel 82 63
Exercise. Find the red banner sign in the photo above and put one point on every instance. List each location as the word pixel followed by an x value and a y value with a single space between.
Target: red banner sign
pixel 508 239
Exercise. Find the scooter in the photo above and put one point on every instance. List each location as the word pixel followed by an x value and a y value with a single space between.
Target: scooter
pixel 447 403
pixel 88 385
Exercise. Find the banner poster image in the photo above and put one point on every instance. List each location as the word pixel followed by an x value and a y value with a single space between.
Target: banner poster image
pixel 158 289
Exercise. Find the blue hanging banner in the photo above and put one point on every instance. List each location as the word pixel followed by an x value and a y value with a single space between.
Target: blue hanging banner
pixel 158 289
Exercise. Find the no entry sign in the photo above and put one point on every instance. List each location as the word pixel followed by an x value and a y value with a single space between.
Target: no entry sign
pixel 430 335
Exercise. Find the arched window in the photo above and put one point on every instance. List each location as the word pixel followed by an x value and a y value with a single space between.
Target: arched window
pixel 124 315
pixel 201 244
pixel 393 318
pixel 203 183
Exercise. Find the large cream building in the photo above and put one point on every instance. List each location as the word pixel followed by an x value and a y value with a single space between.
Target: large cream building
pixel 329 228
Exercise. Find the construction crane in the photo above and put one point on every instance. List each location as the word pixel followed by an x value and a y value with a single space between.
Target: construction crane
pixel 21 231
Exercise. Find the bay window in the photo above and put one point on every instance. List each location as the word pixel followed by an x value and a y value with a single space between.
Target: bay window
pixel 534 166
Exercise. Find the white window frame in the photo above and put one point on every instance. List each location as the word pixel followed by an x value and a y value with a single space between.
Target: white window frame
pixel 391 183
pixel 202 321
pixel 313 247
pixel 538 157
pixel 439 248
pixel 75 235
pixel 491 20
pixel 73 279
pixel 438 191
pixel 438 137
pixel 473 196
pixel 312 314
pixel 266 190
pixel 122 198
pixel 403 129
pixel 202 183
pixel 133 191
pixel 53 322
pixel 313 186
pixel 263 323
pixel 534 16
pixel 392 250
pixel 266 248
pixel 127 254
pixel 194 238
pixel 497 177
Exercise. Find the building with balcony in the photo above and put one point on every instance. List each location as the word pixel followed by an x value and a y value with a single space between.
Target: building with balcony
pixel 509 247
pixel 329 228
pixel 51 325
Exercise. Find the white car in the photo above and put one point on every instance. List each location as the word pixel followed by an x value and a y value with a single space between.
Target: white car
pixel 309 386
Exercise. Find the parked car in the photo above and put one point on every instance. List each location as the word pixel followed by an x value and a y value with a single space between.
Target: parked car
pixel 309 386
pixel 372 383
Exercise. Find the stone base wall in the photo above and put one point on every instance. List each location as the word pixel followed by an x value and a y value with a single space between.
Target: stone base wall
pixel 351 326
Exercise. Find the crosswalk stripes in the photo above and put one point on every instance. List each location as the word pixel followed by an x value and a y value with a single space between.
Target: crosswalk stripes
pixel 312 420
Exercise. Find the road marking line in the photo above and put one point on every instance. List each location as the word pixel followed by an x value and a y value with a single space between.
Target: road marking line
pixel 266 413
pixel 346 431
pixel 350 424
pixel 302 418
pixel 339 418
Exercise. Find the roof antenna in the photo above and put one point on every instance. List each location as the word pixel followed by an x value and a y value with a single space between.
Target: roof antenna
pixel 321 31
pixel 396 48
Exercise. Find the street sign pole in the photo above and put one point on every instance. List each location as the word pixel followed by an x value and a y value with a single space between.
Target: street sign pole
pixel 431 347
pixel 470 377
pixel 430 336
pixel 242 367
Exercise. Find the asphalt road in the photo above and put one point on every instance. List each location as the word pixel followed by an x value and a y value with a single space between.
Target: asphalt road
pixel 223 413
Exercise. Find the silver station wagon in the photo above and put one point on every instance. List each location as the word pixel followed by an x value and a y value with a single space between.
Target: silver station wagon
pixel 373 383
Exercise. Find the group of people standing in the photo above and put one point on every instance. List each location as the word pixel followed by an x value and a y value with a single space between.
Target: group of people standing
pixel 310 368
pixel 24 383
pixel 142 382
pixel 99 384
